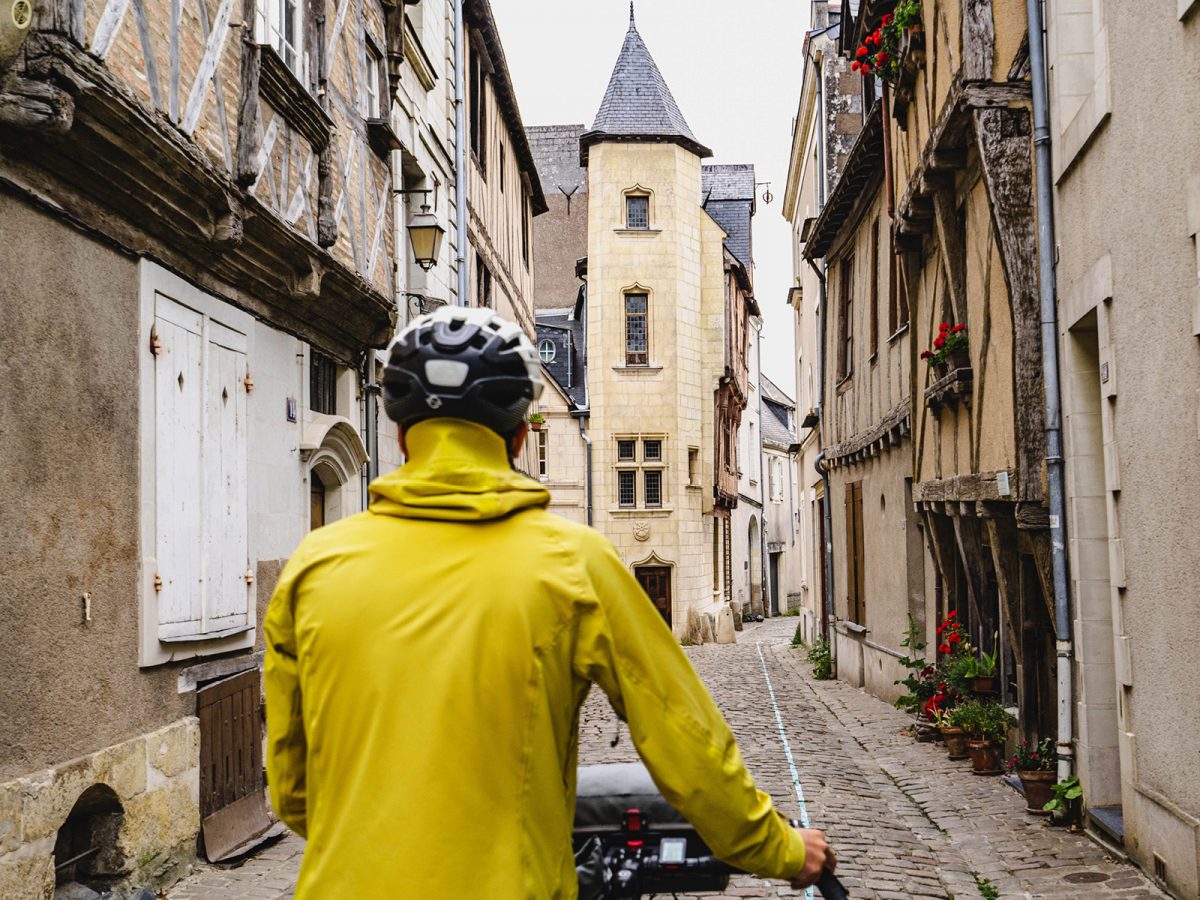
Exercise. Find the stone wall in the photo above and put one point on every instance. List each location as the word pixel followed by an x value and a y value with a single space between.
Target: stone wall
pixel 156 778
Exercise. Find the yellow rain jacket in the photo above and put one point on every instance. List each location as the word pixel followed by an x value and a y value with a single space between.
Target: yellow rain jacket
pixel 425 665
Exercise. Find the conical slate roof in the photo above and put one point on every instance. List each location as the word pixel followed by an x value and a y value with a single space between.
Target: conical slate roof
pixel 638 105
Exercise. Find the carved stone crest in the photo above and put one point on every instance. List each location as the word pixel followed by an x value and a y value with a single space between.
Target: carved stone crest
pixel 641 531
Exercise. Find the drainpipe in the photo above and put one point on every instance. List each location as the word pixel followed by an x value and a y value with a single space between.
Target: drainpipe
pixel 587 442
pixel 371 396
pixel 460 149
pixel 827 515
pixel 1054 455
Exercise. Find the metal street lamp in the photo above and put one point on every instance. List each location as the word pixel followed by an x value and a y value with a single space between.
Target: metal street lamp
pixel 426 235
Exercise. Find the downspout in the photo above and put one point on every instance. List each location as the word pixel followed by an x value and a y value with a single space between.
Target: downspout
pixel 460 149
pixel 1054 455
pixel 764 569
pixel 587 443
pixel 823 313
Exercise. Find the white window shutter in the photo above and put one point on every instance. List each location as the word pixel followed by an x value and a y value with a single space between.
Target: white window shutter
pixel 178 400
pixel 227 598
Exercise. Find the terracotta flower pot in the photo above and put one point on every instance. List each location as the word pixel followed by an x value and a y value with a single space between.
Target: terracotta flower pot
pixel 1038 791
pixel 535 426
pixel 985 757
pixel 983 684
pixel 956 741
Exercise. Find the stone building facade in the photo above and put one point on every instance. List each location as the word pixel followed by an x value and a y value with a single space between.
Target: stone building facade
pixel 781 511
pixel 200 233
pixel 665 318
pixel 1129 321
pixel 828 118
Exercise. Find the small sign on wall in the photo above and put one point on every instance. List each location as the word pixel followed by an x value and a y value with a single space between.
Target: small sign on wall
pixel 291 409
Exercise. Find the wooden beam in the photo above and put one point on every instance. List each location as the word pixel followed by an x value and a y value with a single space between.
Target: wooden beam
pixel 1003 137
pixel 979 39
pixel 1005 547
pixel 970 551
pixel 951 249
pixel 939 535
pixel 1040 544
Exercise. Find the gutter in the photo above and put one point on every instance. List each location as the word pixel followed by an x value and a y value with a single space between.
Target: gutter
pixel 1048 290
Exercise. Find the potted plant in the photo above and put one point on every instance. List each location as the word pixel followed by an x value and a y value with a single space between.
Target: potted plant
pixel 982 672
pixel 986 723
pixel 1064 806
pixel 881 50
pixel 536 421
pixel 950 350
pixel 1034 765
pixel 954 737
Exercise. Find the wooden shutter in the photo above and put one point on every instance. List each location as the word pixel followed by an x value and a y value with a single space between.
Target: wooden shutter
pixel 201 528
pixel 178 407
pixel 860 586
pixel 227 598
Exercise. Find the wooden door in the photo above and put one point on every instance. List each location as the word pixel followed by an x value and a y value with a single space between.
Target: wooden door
pixel 232 804
pixel 656 582
pixel 855 593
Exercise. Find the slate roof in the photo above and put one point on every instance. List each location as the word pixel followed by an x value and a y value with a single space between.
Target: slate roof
pixel 556 154
pixel 776 405
pixel 727 194
pixel 638 105
pixel 565 328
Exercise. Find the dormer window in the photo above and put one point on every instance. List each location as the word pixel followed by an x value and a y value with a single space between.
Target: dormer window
pixel 637 212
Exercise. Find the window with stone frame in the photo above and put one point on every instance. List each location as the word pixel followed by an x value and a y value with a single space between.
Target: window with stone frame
pixel 626 488
pixel 483 284
pixel 652 488
pixel 693 466
pixel 478 101
pixel 626 450
pixel 322 384
pixel 637 331
pixel 543 453
pixel 652 450
pixel 637 212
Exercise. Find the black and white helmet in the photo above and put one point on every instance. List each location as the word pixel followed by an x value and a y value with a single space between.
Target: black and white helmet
pixel 463 364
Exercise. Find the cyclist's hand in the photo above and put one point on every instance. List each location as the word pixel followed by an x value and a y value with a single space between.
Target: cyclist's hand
pixel 818 856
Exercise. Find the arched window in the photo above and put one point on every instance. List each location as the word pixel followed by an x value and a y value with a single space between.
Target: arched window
pixel 547 351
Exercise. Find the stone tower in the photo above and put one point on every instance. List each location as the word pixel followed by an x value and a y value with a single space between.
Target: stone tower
pixel 655 336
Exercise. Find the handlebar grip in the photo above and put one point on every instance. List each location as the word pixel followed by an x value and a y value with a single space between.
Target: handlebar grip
pixel 830 887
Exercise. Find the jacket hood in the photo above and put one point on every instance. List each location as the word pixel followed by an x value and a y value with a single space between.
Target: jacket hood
pixel 457 471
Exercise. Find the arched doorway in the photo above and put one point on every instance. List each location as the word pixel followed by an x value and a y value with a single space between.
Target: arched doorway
pixel 754 555
pixel 335 455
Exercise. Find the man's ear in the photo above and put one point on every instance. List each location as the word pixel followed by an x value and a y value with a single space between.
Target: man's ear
pixel 517 441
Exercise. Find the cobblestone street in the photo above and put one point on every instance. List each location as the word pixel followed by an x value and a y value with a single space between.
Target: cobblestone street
pixel 906 822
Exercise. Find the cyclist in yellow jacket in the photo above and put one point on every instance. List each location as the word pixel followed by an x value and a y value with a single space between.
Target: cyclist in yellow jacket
pixel 427 659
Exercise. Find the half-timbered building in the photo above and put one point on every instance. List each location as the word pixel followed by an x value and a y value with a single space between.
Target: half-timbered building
pixel 182 398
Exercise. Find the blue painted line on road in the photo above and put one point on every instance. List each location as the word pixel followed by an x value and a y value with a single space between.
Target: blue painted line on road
pixel 787 750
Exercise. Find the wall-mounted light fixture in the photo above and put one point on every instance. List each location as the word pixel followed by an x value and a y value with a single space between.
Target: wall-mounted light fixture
pixel 424 232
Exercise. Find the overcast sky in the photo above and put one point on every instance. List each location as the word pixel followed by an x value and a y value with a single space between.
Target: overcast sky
pixel 735 71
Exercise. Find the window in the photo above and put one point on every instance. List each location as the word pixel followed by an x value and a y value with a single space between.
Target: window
pixel 500 165
pixel 478 100
pixel 322 384
pixel 845 319
pixel 693 466
pixel 652 451
pixel 653 486
pixel 752 454
pixel 637 343
pixel 716 553
pixel 897 295
pixel 855 564
pixel 525 227
pixel 280 23
pixel 483 284
pixel 873 299
pixel 637 212
pixel 626 451
pixel 547 351
pixel 626 488
pixel 543 453
pixel 372 97
pixel 776 480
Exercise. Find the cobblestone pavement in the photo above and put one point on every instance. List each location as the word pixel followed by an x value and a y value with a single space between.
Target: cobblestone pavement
pixel 905 820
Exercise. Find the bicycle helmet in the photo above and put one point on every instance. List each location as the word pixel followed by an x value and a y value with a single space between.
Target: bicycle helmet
pixel 463 364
